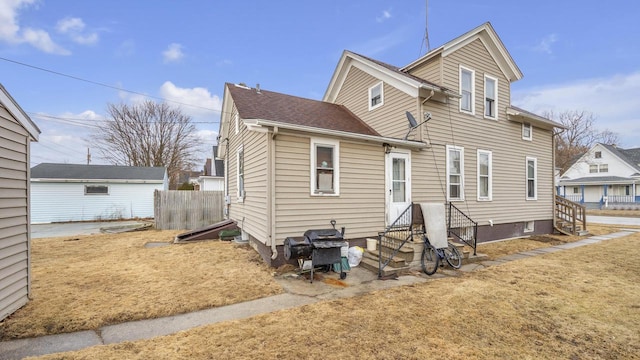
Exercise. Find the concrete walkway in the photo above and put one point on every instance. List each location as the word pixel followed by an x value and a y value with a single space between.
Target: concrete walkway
pixel 297 293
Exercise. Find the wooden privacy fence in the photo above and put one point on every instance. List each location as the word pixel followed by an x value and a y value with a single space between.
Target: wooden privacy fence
pixel 188 210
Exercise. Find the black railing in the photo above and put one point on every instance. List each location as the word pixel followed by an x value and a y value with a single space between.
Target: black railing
pixel 394 237
pixel 462 227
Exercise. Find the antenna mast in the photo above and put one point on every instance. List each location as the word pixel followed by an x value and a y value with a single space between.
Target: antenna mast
pixel 426 27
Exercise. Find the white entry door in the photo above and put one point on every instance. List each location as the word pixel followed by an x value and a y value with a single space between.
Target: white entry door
pixel 398 184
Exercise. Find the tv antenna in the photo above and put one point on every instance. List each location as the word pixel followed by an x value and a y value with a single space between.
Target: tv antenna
pixel 413 124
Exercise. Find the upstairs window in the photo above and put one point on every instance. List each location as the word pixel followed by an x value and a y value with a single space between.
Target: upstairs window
pixel 236 118
pixel 96 190
pixel 527 131
pixel 532 178
pixel 240 173
pixel 467 88
pixel 604 168
pixel 376 96
pixel 490 97
pixel 324 167
pixel 593 168
pixel 455 173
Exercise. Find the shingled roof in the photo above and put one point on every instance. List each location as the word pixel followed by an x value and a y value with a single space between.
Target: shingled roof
pixel 96 172
pixel 630 156
pixel 269 105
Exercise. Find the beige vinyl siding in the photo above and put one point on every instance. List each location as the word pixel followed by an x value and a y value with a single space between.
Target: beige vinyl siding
pixel 431 70
pixel 14 239
pixel 389 119
pixel 502 137
pixel 251 214
pixel 360 206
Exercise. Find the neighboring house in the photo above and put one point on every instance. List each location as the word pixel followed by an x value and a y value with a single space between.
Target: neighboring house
pixel 17 131
pixel 213 178
pixel 294 164
pixel 71 192
pixel 605 175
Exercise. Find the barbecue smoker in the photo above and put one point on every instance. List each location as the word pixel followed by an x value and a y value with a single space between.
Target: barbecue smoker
pixel 321 246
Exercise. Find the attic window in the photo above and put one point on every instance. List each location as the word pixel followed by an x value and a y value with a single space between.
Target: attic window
pixel 376 96
pixel 96 190
pixel 598 154
pixel 527 132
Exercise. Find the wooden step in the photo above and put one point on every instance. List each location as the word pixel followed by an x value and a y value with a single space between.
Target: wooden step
pixel 372 265
pixel 395 262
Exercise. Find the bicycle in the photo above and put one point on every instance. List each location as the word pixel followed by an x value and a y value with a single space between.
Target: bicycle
pixel 431 257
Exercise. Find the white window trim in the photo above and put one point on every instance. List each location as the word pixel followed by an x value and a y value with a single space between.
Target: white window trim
pixel 461 149
pixel 473 89
pixel 96 193
pixel 381 84
pixel 530 138
pixel 535 178
pixel 336 166
pixel 240 193
pixel 495 98
pixel 529 226
pixel 237 120
pixel 490 177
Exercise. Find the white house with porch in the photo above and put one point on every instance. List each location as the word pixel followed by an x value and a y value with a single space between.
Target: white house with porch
pixel 604 176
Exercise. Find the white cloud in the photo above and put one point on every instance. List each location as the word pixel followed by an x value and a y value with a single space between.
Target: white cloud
pixel 385 16
pixel 10 31
pixel 173 53
pixel 544 46
pixel 74 28
pixel 609 99
pixel 126 49
pixel 196 102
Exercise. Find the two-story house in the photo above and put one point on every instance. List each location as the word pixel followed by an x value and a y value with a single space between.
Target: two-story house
pixel 293 164
pixel 604 176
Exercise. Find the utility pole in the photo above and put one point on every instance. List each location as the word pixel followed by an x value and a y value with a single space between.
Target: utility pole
pixel 88 156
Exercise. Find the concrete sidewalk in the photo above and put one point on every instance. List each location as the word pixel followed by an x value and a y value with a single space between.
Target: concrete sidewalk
pixel 297 293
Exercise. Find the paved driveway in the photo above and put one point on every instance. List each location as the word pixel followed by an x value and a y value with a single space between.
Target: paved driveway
pixel 613 220
pixel 75 228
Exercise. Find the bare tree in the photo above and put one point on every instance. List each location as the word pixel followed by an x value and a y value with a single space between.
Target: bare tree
pixel 580 135
pixel 148 134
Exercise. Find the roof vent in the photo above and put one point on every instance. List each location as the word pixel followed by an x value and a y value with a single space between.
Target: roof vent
pixel 258 88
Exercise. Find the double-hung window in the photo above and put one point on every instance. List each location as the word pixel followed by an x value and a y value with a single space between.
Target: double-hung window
pixel 467 89
pixel 532 178
pixel 376 96
pixel 490 97
pixel 455 173
pixel 325 155
pixel 527 131
pixel 484 175
pixel 240 173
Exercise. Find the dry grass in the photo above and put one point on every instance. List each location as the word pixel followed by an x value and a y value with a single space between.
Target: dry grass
pixel 624 213
pixel 498 249
pixel 582 303
pixel 89 281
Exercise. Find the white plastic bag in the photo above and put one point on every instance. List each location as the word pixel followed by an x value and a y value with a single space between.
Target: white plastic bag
pixel 354 256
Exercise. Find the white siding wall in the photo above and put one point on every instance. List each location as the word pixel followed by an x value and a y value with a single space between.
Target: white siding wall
pixel 616 167
pixel 14 231
pixel 58 202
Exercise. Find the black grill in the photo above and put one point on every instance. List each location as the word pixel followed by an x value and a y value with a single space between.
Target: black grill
pixel 321 246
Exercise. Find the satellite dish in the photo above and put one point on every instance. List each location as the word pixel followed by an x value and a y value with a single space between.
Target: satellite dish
pixel 412 121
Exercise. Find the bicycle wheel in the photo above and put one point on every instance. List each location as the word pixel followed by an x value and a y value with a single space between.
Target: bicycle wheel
pixel 429 259
pixel 453 257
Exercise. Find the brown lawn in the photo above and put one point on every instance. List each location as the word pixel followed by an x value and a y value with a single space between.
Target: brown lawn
pixel 582 303
pixel 606 212
pixel 85 282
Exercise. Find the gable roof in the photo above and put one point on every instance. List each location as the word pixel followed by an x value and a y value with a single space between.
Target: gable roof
pixel 14 109
pixel 393 75
pixel 96 172
pixel 492 42
pixel 253 104
pixel 630 156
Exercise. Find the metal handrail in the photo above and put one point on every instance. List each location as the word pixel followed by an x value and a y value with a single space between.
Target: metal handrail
pixel 462 227
pixel 401 230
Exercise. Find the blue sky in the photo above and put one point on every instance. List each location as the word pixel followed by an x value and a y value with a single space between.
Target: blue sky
pixel 575 55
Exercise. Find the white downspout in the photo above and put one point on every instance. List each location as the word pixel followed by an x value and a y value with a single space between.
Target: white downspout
pixel 271 181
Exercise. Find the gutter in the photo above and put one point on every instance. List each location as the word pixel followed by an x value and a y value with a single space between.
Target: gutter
pixel 257 123
pixel 271 181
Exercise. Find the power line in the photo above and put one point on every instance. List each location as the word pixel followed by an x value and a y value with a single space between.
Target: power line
pixel 78 120
pixel 104 85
